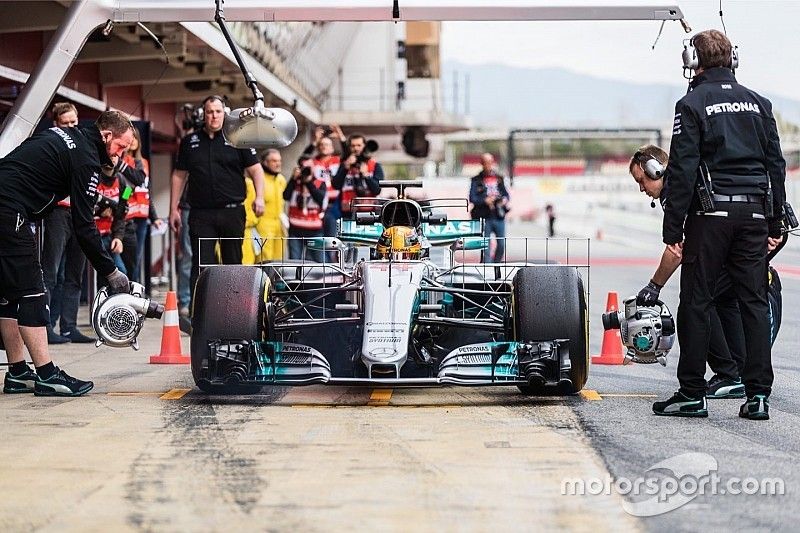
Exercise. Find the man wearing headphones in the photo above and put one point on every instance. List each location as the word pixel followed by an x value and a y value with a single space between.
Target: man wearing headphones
pixel 725 194
pixel 216 190
pixel 726 347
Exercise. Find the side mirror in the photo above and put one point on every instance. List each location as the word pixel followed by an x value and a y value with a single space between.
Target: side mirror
pixel 470 243
pixel 435 219
pixel 325 244
pixel 366 219
pixel 260 127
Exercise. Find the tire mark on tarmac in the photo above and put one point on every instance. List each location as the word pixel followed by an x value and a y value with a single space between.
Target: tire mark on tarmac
pixel 195 451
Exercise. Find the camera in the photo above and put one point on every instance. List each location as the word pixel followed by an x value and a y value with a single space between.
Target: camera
pixel 304 163
pixel 103 203
pixel 118 207
pixel 500 208
pixel 192 117
pixel 791 221
pixel 366 154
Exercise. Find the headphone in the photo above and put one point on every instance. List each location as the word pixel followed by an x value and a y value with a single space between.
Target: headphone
pixel 652 168
pixel 691 60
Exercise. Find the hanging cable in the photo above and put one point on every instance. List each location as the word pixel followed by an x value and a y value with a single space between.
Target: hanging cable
pixel 722 19
pixel 661 29
pixel 160 46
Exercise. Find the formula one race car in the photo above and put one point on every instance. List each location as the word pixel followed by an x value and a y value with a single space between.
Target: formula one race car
pixel 396 317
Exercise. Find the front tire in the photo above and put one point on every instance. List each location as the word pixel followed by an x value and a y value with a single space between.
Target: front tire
pixel 549 303
pixel 229 303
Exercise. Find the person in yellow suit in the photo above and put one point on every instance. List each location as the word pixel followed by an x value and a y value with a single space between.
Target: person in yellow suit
pixel 263 236
pixel 251 241
pixel 272 224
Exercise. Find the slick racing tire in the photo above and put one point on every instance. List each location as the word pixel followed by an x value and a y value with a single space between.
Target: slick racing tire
pixel 549 303
pixel 228 304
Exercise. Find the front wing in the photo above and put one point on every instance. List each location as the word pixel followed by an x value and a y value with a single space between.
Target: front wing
pixel 239 361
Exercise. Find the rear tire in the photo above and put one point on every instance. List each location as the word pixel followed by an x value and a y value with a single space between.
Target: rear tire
pixel 228 304
pixel 549 303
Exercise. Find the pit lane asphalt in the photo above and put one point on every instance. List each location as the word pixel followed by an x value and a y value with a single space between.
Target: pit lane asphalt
pixel 338 458
pixel 630 439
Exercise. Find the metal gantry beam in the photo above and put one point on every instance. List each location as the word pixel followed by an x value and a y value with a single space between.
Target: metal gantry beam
pixel 382 10
pixel 84 17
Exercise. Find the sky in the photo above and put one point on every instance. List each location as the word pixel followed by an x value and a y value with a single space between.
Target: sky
pixel 766 32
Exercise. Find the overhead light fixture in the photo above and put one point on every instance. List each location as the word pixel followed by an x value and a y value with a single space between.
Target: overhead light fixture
pixel 256 127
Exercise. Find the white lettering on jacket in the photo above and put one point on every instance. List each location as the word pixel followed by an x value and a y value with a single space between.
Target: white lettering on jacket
pixel 64 136
pixel 732 107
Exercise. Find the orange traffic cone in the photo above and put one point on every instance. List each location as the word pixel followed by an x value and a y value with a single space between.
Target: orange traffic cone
pixel 612 351
pixel 171 336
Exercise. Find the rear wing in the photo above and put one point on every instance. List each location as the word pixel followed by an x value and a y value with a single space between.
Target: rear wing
pixel 437 234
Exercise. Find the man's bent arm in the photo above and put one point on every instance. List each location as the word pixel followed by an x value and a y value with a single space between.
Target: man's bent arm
pixel 82 199
pixel 666 267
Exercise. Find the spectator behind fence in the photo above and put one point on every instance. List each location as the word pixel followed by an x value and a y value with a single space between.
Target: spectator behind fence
pixel 252 242
pixel 61 253
pixel 307 198
pixel 272 224
pixel 551 220
pixel 489 198
pixel 110 215
pixel 358 176
pixel 185 257
pixel 325 166
pixel 140 210
pixel 216 189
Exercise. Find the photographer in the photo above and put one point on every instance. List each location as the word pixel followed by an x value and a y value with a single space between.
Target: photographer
pixel 326 165
pixel 725 193
pixel 359 175
pixel 489 198
pixel 110 217
pixel 307 199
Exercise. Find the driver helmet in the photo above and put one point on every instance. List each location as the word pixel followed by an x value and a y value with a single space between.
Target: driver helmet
pixel 399 242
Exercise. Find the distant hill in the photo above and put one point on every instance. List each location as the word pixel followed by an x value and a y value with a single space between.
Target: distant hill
pixel 504 96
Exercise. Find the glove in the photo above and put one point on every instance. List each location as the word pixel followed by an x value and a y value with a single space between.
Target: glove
pixel 775 227
pixel 649 294
pixel 118 282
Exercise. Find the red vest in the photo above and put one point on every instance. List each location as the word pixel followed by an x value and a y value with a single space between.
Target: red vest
pixel 109 191
pixel 349 192
pixel 304 212
pixel 139 202
pixel 325 170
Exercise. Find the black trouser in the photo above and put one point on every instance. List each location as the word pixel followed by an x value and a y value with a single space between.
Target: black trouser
pixel 60 241
pixel 225 223
pixel 739 243
pixel 129 242
pixel 727 348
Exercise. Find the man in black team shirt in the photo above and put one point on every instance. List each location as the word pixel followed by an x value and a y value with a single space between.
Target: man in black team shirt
pixel 44 169
pixel 215 190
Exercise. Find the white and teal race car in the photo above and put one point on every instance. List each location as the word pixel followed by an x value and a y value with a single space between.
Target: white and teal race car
pixel 392 315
